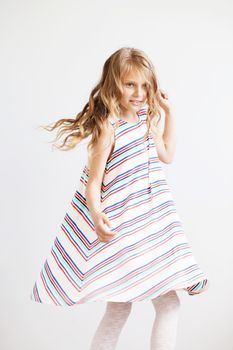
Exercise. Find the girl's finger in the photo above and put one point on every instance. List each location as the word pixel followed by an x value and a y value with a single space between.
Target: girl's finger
pixel 108 222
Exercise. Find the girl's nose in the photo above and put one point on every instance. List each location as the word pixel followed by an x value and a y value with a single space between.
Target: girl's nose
pixel 138 92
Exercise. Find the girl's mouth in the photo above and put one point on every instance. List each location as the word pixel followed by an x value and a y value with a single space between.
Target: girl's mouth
pixel 135 102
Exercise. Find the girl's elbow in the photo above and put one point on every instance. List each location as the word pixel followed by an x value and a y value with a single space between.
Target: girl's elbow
pixel 92 186
pixel 167 160
pixel 166 157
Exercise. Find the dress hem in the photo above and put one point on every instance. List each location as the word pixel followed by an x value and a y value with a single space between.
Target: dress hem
pixel 183 286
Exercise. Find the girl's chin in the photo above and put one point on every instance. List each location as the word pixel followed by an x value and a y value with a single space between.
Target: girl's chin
pixel 135 108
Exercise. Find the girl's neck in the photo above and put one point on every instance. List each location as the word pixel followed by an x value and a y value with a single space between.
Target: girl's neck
pixel 130 116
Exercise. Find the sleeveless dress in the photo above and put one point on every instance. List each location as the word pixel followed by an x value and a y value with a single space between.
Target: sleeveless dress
pixel 150 254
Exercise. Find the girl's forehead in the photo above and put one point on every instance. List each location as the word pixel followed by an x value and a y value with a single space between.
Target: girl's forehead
pixel 135 75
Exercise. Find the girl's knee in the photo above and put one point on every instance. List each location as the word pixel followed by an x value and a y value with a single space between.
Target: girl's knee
pixel 167 302
pixel 123 308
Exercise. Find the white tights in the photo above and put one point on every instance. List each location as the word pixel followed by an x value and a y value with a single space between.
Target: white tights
pixel 163 335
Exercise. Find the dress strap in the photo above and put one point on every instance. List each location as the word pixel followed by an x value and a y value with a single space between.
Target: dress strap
pixel 113 121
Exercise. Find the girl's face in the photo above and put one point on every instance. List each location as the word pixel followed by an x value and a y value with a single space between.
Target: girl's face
pixel 134 94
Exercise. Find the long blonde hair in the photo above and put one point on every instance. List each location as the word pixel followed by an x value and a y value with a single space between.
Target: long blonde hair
pixel 104 99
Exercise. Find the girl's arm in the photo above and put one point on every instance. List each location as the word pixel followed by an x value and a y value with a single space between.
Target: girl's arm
pixel 166 141
pixel 97 158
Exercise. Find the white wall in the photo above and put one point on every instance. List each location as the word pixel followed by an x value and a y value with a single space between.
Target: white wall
pixel 52 53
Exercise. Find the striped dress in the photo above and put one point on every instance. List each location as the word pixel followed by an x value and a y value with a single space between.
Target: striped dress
pixel 149 256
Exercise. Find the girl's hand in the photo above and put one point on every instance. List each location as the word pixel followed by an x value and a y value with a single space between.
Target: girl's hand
pixel 162 98
pixel 101 223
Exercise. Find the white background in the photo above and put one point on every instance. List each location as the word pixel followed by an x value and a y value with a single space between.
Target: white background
pixel 52 54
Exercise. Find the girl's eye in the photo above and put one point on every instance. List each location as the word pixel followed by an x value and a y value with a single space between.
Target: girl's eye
pixel 131 84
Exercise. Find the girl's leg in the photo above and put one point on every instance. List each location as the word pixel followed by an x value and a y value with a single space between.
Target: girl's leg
pixel 110 327
pixel 167 306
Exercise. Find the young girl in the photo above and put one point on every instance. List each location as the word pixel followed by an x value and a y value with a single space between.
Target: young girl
pixel 121 240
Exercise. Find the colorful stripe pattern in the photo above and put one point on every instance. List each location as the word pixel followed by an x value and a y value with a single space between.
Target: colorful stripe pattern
pixel 150 254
